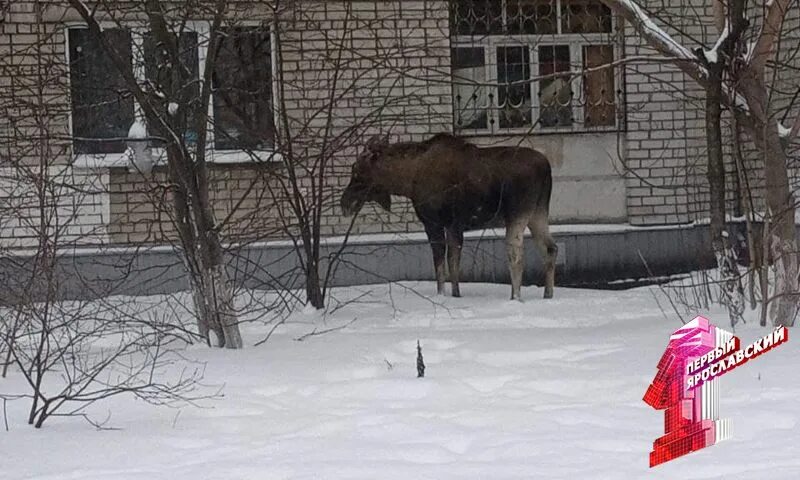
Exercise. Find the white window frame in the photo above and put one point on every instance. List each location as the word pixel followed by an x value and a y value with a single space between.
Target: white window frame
pixel 202 28
pixel 576 43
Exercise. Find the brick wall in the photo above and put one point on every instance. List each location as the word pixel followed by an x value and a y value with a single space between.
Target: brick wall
pixel 666 148
pixel 394 59
pixel 141 212
pixel 665 145
pixel 784 104
pixel 349 70
pixel 39 192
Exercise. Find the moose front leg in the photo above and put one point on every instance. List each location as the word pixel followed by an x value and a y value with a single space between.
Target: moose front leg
pixel 437 240
pixel 455 240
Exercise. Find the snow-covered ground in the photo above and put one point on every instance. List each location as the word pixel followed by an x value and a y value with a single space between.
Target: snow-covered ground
pixel 534 390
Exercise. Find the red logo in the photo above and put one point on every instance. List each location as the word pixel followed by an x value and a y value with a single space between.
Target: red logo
pixel 685 386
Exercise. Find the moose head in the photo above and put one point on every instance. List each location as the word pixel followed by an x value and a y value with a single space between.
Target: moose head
pixel 364 186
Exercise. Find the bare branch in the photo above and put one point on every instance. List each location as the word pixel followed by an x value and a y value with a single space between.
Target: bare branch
pixel 766 43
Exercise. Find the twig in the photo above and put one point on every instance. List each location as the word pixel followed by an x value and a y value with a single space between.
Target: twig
pixel 316 332
pixel 95 424
pixel 5 413
pixel 271 331
pixel 650 272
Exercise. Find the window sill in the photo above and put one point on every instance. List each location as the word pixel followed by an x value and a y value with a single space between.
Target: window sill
pixel 510 132
pixel 227 157
pixel 90 161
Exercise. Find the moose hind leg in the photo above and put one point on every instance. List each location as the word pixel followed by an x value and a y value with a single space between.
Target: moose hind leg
pixel 436 239
pixel 455 241
pixel 547 249
pixel 516 255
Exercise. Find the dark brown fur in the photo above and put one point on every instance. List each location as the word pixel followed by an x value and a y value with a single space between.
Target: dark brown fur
pixel 455 186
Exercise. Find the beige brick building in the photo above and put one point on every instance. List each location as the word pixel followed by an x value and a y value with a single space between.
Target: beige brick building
pixel 627 144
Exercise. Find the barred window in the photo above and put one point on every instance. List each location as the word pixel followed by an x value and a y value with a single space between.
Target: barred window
pixel 514 95
pixel 499 46
pixel 469 64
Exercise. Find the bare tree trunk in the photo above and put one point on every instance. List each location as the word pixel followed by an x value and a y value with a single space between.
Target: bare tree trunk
pixel 732 294
pixel 751 86
pixel 746 201
pixel 782 234
pixel 314 294
pixel 214 302
pixel 764 271
pixel 213 292
pixel 716 167
pixel 313 288
pixel 199 234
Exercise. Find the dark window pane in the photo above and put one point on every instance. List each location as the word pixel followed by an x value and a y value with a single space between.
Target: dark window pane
pixel 585 16
pixel 598 86
pixel 531 16
pixel 555 94
pixel 243 116
pixel 470 96
pixel 179 85
pixel 476 17
pixel 513 101
pixel 102 106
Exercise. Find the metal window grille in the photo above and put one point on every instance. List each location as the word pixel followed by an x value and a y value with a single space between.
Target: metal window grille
pixel 499 46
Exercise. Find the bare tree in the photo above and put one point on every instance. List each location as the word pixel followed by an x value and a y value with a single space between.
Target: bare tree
pixel 718 62
pixel 748 98
pixel 173 104
pixel 356 66
pixel 56 350
pixel 70 354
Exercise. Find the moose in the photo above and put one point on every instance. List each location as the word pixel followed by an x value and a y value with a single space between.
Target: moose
pixel 454 187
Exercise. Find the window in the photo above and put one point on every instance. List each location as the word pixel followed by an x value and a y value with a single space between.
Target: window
pixel 470 64
pixel 241 109
pixel 499 46
pixel 531 17
pixel 598 86
pixel 243 91
pixel 102 107
pixel 555 93
pixel 168 81
pixel 514 95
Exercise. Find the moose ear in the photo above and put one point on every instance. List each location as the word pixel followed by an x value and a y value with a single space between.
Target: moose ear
pixel 377 143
